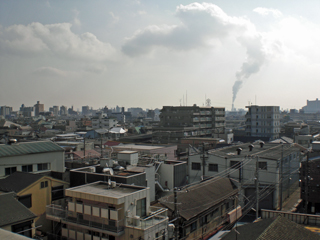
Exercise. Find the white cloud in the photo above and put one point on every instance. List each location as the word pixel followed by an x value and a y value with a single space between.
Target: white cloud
pixel 115 18
pixel 76 20
pixel 55 39
pixel 49 71
pixel 268 11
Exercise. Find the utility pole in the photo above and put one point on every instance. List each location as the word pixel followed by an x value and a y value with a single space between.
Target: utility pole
pixel 101 146
pixel 257 188
pixel 176 214
pixel 203 158
pixel 84 147
pixel 281 177
pixel 307 183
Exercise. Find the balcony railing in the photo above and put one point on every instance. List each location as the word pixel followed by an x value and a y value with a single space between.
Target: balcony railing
pixel 56 212
pixel 157 216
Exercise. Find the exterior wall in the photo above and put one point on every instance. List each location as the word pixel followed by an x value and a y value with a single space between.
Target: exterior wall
pixel 55 159
pixel 312 106
pixel 263 121
pixel 166 172
pixel 267 177
pixel 40 198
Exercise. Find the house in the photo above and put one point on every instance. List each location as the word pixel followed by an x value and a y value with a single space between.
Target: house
pixel 102 210
pixel 15 217
pixel 203 208
pixel 35 191
pixel 36 157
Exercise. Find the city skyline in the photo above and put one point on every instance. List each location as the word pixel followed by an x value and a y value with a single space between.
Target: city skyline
pixel 151 54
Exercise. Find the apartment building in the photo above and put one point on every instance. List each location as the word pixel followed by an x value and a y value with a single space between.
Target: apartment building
pixel 188 121
pixel 107 210
pixel 263 121
pixel 103 122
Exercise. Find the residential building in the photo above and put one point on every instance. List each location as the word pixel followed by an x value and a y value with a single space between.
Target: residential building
pixel 188 121
pixel 263 121
pixel 275 162
pixel 103 122
pixel 15 217
pixel 39 107
pixel 103 210
pixel 35 191
pixel 85 110
pixel 36 157
pixel 27 111
pixel 63 110
pixel 203 208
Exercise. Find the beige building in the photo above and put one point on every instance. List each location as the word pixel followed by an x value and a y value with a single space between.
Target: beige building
pixel 106 210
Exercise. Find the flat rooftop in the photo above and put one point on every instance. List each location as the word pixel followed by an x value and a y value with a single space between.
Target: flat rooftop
pixel 137 147
pixel 103 189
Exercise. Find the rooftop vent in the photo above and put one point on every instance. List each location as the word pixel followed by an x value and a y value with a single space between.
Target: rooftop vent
pixel 250 147
pixel 239 150
pixel 261 144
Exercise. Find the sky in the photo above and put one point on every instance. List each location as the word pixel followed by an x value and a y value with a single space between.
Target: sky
pixel 149 54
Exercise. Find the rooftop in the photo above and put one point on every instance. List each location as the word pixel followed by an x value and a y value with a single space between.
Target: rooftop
pixel 18 181
pixel 12 211
pixel 25 148
pixel 103 189
pixel 268 151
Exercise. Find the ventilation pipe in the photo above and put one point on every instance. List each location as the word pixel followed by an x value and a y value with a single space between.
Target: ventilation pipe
pixel 250 147
pixel 239 150
pixel 261 144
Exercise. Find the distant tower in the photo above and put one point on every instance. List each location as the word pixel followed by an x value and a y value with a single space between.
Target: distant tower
pixel 38 108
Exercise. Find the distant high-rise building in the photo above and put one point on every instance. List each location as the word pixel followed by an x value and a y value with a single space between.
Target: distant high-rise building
pixel 263 121
pixel 27 111
pixel 5 110
pixel 38 108
pixel 312 106
pixel 55 110
pixel 85 110
pixel 63 110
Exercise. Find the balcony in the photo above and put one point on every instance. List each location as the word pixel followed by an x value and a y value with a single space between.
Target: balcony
pixel 57 213
pixel 195 119
pixel 158 216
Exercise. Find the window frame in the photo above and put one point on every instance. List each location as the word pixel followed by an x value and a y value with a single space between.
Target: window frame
pixel 213 167
pixel 195 166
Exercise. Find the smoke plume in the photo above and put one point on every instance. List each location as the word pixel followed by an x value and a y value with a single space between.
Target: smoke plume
pixel 256 57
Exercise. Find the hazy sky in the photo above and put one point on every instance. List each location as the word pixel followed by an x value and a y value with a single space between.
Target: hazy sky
pixel 150 53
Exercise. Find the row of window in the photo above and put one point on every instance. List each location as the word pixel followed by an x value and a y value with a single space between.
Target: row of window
pixel 233 164
pixel 27 168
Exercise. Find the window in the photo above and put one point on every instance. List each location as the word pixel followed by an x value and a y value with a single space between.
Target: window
pixel 43 166
pixel 193 227
pixel 26 200
pixel 196 166
pixel 203 220
pixel 234 164
pixel 27 168
pixel 213 167
pixel 263 165
pixel 57 193
pixel 10 170
pixel 44 184
pixel 141 207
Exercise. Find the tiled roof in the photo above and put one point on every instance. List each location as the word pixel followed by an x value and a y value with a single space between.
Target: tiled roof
pixel 18 181
pixel 279 228
pixel 198 198
pixel 28 148
pixel 12 211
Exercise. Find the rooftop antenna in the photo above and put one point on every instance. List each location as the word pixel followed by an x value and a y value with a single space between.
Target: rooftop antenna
pixel 186 98
pixel 183 99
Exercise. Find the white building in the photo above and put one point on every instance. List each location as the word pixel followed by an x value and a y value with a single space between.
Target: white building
pixel 263 121
pixel 312 106
pixel 35 157
pixel 102 211
pixel 103 122
pixel 239 163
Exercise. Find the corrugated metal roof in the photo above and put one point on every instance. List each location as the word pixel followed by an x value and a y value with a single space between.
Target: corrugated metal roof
pixel 28 148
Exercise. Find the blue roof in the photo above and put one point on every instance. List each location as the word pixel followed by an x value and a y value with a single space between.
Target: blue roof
pixel 28 148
